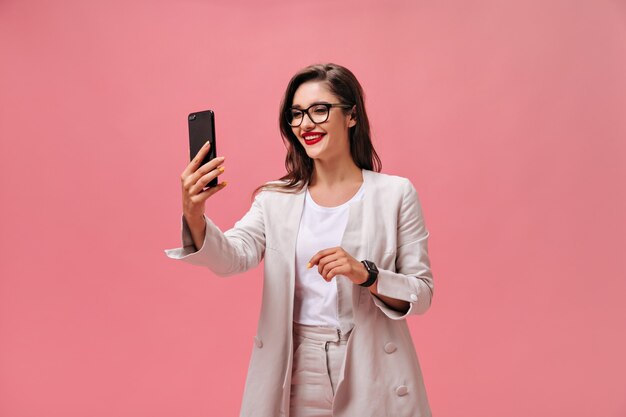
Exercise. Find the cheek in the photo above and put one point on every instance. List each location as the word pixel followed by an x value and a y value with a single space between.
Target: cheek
pixel 334 130
pixel 339 135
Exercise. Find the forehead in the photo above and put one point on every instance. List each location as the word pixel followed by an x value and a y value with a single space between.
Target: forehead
pixel 311 92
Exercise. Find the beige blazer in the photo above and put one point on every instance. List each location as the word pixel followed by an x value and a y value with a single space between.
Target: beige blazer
pixel 381 375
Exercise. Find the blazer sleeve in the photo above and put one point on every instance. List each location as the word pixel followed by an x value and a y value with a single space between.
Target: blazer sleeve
pixel 413 279
pixel 226 253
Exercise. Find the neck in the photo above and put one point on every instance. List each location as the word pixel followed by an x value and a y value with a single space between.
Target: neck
pixel 329 174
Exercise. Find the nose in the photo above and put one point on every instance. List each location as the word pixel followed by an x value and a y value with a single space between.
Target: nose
pixel 307 123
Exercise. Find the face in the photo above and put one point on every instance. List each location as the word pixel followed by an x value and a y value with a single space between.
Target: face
pixel 334 141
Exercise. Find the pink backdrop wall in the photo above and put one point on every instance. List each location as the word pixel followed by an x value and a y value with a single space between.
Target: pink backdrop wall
pixel 507 116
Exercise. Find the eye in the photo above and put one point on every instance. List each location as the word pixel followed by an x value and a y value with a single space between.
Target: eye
pixel 319 109
pixel 295 113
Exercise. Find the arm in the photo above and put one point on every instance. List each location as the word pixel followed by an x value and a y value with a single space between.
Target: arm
pixel 226 253
pixel 398 305
pixel 197 230
pixel 409 290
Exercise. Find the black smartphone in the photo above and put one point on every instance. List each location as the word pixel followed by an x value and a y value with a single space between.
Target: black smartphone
pixel 201 129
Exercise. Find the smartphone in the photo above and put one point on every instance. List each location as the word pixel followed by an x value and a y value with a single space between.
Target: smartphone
pixel 201 129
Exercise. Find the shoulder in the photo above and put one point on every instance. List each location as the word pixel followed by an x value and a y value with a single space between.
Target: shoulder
pixel 276 190
pixel 398 194
pixel 389 184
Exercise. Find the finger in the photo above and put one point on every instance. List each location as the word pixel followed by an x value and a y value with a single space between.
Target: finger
pixel 204 180
pixel 325 260
pixel 204 149
pixel 341 269
pixel 193 178
pixel 193 165
pixel 335 254
pixel 329 267
pixel 204 195
pixel 215 163
pixel 315 259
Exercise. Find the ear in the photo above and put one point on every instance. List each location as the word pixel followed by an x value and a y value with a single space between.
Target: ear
pixel 352 121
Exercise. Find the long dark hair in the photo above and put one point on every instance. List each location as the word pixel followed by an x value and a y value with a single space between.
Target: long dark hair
pixel 342 83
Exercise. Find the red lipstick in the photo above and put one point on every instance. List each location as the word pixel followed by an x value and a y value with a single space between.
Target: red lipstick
pixel 316 135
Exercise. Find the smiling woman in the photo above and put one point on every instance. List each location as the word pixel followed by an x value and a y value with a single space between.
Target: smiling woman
pixel 327 100
pixel 346 262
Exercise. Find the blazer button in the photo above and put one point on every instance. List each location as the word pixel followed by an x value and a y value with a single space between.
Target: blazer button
pixel 259 342
pixel 402 390
pixel 390 347
pixel 413 297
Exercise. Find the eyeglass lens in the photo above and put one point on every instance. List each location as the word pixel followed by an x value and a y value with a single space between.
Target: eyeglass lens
pixel 318 114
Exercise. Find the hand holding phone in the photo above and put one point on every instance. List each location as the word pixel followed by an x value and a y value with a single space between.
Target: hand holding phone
pixel 200 173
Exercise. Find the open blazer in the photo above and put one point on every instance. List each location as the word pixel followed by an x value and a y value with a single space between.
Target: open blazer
pixel 381 375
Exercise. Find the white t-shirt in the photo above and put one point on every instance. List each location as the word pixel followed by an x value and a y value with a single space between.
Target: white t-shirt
pixel 315 300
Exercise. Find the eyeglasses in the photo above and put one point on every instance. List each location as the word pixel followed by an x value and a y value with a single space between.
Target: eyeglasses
pixel 318 113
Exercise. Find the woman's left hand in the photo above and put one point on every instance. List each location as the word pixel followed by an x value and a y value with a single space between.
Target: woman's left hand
pixel 335 261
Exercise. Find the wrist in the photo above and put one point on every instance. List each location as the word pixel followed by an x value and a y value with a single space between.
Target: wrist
pixel 372 273
pixel 194 220
pixel 363 274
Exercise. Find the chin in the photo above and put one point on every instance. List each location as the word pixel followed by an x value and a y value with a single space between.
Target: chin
pixel 312 153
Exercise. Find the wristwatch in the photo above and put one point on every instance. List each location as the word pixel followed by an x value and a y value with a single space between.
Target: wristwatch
pixel 372 271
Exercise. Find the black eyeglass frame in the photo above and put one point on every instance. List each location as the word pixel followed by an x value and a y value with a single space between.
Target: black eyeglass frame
pixel 327 105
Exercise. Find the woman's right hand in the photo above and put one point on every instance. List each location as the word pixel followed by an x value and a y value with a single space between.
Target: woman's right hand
pixel 194 179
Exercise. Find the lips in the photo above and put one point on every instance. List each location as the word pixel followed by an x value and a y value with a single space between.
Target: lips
pixel 313 138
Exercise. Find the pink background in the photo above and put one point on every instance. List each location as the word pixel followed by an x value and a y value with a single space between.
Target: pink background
pixel 509 118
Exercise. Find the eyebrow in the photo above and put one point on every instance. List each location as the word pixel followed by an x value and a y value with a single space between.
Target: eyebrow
pixel 297 106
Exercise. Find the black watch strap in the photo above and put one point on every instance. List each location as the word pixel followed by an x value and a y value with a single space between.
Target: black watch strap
pixel 372 271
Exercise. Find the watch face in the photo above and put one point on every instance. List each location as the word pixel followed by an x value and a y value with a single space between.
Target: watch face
pixel 371 266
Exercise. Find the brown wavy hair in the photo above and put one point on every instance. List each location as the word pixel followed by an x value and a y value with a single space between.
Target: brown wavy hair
pixel 343 84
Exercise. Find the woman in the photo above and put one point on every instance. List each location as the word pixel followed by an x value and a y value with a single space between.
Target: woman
pixel 345 262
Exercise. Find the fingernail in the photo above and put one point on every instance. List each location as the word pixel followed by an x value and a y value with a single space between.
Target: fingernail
pixel 221 169
pixel 308 265
pixel 208 142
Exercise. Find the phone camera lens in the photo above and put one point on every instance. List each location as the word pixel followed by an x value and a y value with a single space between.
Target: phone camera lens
pixel 192 117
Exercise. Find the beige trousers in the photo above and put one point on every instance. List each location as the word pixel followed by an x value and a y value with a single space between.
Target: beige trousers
pixel 318 360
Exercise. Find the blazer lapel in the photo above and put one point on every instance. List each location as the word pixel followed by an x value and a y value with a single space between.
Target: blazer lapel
pixel 292 214
pixel 289 216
